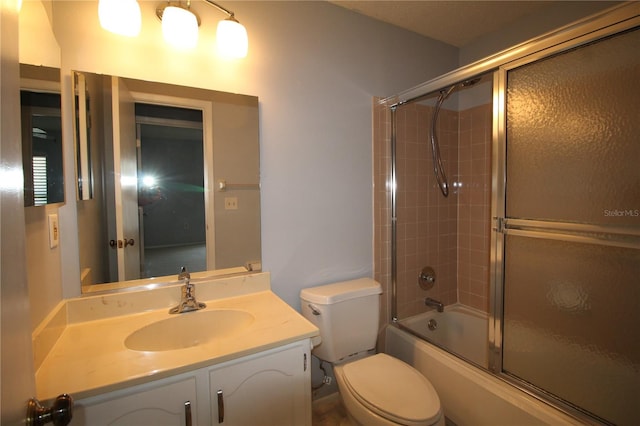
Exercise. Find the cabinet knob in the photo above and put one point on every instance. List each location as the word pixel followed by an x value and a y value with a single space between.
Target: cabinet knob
pixel 59 414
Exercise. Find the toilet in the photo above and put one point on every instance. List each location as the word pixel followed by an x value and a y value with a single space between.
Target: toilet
pixel 376 389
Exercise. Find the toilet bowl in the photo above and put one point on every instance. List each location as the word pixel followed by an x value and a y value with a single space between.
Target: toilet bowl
pixel 377 390
pixel 380 390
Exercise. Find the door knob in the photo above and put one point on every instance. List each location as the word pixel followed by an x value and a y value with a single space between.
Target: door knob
pixel 59 414
pixel 121 243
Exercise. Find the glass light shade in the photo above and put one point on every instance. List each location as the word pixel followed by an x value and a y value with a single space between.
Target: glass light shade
pixel 120 16
pixel 180 27
pixel 231 39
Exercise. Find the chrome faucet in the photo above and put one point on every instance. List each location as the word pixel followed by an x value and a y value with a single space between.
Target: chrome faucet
pixel 434 303
pixel 188 302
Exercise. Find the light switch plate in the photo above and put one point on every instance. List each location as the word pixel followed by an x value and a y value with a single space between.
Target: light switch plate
pixel 54 231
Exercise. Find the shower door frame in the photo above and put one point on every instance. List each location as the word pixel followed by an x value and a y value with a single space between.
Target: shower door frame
pixel 606 23
pixel 502 226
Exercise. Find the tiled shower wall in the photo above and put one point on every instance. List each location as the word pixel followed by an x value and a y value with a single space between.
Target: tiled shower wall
pixel 474 206
pixel 449 234
pixel 382 205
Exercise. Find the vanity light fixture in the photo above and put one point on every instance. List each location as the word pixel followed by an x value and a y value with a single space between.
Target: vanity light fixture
pixel 179 24
pixel 231 35
pixel 120 16
pixel 180 28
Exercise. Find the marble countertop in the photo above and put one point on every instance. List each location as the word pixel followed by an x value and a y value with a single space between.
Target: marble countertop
pixel 90 356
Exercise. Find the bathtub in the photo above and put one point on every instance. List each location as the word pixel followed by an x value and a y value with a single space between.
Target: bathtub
pixel 469 395
pixel 459 329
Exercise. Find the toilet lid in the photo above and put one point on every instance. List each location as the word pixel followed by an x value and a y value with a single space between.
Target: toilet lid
pixel 393 390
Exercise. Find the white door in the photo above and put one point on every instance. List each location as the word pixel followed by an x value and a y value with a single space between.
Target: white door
pixel 126 180
pixel 17 375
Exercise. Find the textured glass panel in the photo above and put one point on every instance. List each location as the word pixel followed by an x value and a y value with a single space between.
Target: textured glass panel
pixel 571 317
pixel 573 145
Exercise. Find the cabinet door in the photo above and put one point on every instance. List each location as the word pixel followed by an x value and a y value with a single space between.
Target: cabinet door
pixel 158 403
pixel 272 388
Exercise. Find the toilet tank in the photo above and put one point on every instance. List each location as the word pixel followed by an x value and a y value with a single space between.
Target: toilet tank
pixel 347 314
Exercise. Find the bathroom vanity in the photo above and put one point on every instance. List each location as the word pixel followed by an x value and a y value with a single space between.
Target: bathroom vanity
pixel 244 359
pixel 268 388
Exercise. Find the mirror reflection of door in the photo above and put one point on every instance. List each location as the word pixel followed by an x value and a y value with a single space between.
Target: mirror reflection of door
pixel 159 216
pixel 170 189
pixel 126 181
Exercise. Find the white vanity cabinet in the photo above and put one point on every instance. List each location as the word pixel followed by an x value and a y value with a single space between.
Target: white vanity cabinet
pixel 168 401
pixel 269 388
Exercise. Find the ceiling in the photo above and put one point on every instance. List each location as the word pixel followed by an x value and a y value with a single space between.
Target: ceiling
pixel 453 22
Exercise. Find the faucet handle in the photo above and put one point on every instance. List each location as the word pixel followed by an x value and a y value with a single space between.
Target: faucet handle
pixel 184 273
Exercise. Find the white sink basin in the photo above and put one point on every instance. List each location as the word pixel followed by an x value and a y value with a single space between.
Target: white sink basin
pixel 188 329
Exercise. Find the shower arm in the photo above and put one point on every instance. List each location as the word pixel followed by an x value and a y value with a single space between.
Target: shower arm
pixel 438 168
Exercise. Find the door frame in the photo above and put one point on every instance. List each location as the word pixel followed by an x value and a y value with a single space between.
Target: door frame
pixel 207 133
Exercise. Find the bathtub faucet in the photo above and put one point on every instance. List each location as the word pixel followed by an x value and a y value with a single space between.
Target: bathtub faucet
pixel 188 302
pixel 434 304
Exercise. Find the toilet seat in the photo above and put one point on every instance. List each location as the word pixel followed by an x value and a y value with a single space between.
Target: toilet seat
pixel 392 389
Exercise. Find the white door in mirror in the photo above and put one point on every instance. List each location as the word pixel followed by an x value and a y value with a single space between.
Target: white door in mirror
pixel 54 232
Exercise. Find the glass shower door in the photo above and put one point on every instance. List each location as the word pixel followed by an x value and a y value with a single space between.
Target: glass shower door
pixel 571 228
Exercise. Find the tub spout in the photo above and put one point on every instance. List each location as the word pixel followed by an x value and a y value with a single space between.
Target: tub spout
pixel 434 303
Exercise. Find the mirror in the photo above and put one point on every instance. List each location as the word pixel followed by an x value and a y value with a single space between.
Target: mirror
pixel 174 175
pixel 41 135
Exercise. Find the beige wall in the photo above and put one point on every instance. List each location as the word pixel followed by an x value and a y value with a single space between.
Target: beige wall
pixel 43 264
pixel 236 157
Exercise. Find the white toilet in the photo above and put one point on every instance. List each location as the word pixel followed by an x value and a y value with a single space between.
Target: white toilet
pixel 376 389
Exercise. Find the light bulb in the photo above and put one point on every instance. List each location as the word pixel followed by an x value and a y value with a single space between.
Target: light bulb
pixel 120 16
pixel 231 39
pixel 180 27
